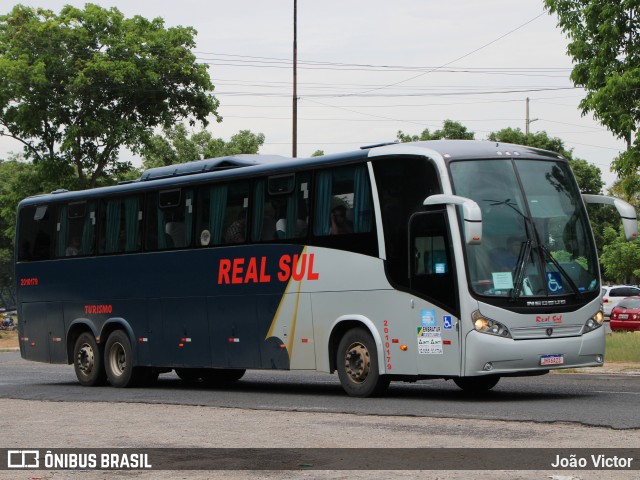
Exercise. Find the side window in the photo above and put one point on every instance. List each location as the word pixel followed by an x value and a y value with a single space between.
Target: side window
pixel 36 233
pixel 76 229
pixel 222 217
pixel 121 225
pixel 281 207
pixel 343 216
pixel 169 219
pixel 616 292
pixel 343 202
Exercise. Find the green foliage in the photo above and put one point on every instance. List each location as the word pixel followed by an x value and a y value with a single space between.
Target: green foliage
pixel 79 85
pixel 176 146
pixel 605 47
pixel 318 153
pixel 450 130
pixel 621 258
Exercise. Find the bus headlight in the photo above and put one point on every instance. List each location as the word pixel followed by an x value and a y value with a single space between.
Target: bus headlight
pixel 484 324
pixel 594 322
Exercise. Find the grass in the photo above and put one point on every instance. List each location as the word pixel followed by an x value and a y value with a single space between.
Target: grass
pixel 623 347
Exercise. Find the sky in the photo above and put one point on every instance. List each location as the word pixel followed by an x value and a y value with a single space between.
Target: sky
pixel 367 69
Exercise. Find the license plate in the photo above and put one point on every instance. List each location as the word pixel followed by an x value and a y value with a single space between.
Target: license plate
pixel 623 316
pixel 552 360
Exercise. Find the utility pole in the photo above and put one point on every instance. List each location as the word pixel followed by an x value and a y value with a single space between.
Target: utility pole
pixel 294 136
pixel 528 121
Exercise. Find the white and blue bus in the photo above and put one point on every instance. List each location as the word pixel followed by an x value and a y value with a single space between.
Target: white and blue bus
pixel 461 260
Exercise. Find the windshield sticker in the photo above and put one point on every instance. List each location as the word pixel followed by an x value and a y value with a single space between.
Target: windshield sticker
pixel 428 318
pixel 554 282
pixel 502 280
pixel 447 322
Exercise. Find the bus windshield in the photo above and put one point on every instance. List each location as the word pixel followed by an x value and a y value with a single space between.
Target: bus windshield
pixel 536 237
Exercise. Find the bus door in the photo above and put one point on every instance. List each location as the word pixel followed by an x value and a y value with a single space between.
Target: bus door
pixel 432 275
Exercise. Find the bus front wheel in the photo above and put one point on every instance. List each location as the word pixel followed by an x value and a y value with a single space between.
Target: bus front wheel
pixel 357 365
pixel 87 361
pixel 476 384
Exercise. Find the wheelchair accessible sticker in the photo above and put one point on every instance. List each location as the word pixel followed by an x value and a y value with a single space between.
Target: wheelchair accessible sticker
pixel 554 282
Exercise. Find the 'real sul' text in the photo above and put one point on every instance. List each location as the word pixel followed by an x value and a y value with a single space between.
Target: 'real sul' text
pixel 254 269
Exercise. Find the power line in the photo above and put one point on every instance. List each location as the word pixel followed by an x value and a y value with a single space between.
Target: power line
pixel 459 58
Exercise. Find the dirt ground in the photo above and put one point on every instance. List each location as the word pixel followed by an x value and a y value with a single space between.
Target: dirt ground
pixel 8 340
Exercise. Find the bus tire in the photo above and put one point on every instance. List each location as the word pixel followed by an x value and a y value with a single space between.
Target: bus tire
pixel 87 361
pixel 357 365
pixel 118 361
pixel 477 384
pixel 217 376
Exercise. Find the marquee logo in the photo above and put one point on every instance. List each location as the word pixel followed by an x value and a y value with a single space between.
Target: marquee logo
pixel 23 459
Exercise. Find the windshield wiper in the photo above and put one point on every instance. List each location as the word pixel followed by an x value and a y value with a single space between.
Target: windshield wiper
pixel 523 258
pixel 546 253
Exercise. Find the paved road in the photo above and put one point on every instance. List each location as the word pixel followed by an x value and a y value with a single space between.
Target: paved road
pixel 587 399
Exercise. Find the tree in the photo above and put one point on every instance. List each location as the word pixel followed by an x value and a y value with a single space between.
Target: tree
pixel 621 259
pixel 18 179
pixel 78 86
pixel 176 146
pixel 605 47
pixel 450 130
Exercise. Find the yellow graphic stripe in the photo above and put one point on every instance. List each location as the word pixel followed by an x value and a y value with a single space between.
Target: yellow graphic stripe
pixel 274 322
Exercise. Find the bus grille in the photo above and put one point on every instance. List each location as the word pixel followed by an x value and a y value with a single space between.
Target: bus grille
pixel 545 331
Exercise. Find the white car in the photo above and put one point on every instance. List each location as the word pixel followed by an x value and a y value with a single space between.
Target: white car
pixel 612 294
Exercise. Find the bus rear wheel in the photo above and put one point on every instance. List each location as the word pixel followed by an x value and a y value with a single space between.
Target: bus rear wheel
pixel 477 384
pixel 357 365
pixel 118 355
pixel 87 361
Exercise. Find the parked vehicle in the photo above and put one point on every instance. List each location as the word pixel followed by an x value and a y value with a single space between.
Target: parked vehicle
pixel 626 315
pixel 612 294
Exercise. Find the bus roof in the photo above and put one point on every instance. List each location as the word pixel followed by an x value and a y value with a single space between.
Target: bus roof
pixel 249 165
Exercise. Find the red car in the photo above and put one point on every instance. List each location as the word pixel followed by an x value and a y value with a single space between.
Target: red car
pixel 626 315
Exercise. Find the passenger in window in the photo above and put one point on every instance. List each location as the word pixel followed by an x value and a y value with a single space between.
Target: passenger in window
pixel 74 247
pixel 236 233
pixel 339 222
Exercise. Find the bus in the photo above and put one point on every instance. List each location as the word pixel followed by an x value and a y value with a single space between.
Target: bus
pixel 460 260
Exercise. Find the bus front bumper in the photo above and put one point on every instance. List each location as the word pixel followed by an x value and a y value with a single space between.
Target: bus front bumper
pixel 492 355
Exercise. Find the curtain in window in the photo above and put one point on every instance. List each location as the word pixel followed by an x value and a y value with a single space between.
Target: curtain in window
pixel 88 230
pixel 161 229
pixel 258 211
pixel 132 223
pixel 362 208
pixel 217 208
pixel 322 222
pixel 188 217
pixel 113 225
pixel 292 216
pixel 63 227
